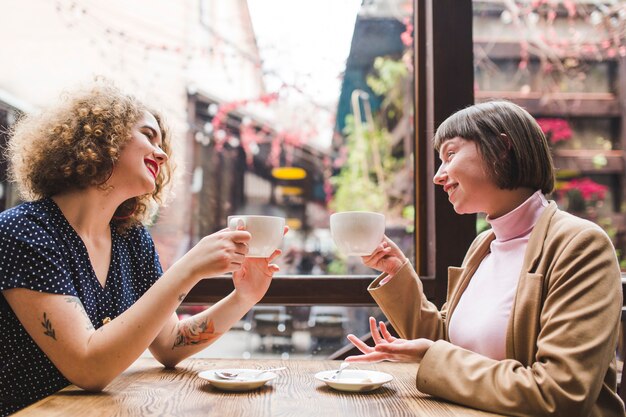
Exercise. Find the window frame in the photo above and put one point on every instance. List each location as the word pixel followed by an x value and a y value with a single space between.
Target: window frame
pixel 443 84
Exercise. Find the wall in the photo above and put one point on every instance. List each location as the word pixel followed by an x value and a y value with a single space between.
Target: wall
pixel 156 49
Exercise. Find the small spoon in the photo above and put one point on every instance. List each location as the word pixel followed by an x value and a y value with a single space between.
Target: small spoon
pixel 251 375
pixel 343 366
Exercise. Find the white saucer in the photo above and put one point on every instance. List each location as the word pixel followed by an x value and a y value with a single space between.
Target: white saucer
pixel 354 380
pixel 242 383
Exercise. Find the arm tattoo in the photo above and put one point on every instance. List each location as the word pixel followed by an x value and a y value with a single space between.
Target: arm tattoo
pixel 79 305
pixel 48 326
pixel 195 331
pixel 182 297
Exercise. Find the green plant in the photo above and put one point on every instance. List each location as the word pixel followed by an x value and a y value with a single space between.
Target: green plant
pixel 582 195
pixel 409 213
pixel 481 224
pixel 338 267
pixel 388 82
pixel 361 183
pixel 373 178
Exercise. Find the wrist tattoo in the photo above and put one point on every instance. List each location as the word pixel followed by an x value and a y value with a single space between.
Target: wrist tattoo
pixel 48 326
pixel 195 331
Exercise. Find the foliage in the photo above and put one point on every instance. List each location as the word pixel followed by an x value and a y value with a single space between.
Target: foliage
pixel 582 194
pixel 361 182
pixel 337 267
pixel 481 224
pixel 387 83
pixel 369 179
pixel 561 36
pixel 409 213
pixel 586 198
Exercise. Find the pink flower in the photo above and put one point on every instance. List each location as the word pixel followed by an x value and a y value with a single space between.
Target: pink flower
pixel 556 130
pixel 587 188
pixel 407 36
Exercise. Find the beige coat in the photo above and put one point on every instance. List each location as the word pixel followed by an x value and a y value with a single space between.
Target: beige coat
pixel 561 336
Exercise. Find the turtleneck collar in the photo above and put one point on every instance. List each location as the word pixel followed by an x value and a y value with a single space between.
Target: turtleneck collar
pixel 519 221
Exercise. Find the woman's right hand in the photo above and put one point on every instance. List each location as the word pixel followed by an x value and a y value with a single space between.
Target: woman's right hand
pixel 388 348
pixel 216 254
pixel 387 257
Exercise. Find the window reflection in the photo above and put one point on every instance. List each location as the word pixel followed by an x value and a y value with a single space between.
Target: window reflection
pixel 344 121
pixel 352 144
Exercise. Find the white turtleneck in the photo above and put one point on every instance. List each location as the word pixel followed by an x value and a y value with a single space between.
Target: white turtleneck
pixel 480 320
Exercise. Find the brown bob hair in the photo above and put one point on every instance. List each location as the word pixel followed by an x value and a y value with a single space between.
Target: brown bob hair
pixel 511 143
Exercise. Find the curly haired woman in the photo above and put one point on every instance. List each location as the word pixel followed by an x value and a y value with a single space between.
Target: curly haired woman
pixel 83 290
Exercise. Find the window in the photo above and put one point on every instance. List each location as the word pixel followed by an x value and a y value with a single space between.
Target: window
pixel 332 103
pixel 436 221
pixel 337 106
pixel 563 61
pixel 213 69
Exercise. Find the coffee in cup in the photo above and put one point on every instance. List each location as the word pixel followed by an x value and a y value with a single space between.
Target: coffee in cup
pixel 267 233
pixel 357 232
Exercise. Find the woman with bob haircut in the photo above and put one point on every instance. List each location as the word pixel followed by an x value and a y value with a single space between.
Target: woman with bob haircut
pixel 532 316
pixel 83 291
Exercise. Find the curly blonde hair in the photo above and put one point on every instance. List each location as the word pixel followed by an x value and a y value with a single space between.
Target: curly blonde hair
pixel 77 144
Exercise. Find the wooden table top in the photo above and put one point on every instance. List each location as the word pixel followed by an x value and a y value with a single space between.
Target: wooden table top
pixel 148 389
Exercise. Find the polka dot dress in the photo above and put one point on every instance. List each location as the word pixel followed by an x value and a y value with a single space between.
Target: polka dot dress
pixel 39 250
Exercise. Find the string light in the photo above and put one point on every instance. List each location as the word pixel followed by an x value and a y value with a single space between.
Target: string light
pixel 72 14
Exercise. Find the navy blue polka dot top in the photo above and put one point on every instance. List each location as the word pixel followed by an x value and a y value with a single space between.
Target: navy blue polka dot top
pixel 39 250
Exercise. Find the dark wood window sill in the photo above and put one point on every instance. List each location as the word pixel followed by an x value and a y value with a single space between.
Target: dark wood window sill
pixel 342 290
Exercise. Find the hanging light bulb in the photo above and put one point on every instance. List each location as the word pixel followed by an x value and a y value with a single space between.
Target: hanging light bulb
pixel 220 135
pixel 506 17
pixel 533 18
pixel 595 18
pixel 212 109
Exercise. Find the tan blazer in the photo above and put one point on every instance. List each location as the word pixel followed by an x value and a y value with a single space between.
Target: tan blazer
pixel 561 336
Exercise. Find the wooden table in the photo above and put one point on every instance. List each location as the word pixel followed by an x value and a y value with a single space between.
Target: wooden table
pixel 148 389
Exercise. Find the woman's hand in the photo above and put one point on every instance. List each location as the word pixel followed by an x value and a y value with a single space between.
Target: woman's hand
pixel 254 278
pixel 388 348
pixel 387 257
pixel 219 253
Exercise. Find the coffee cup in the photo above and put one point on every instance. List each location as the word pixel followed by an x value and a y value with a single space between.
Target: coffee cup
pixel 357 233
pixel 267 233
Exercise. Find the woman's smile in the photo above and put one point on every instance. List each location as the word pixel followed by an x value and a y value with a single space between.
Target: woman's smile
pixel 152 166
pixel 142 153
pixel 450 189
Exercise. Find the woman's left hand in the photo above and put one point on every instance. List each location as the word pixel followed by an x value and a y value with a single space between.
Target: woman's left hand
pixel 388 348
pixel 254 278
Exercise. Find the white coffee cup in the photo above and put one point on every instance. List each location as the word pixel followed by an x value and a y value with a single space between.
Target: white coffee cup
pixel 267 233
pixel 357 232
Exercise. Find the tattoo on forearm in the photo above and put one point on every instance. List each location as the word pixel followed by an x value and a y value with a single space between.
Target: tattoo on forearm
pixel 79 305
pixel 48 326
pixel 195 331
pixel 182 297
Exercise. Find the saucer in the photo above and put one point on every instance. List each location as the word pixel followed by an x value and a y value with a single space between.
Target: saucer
pixel 241 383
pixel 354 380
